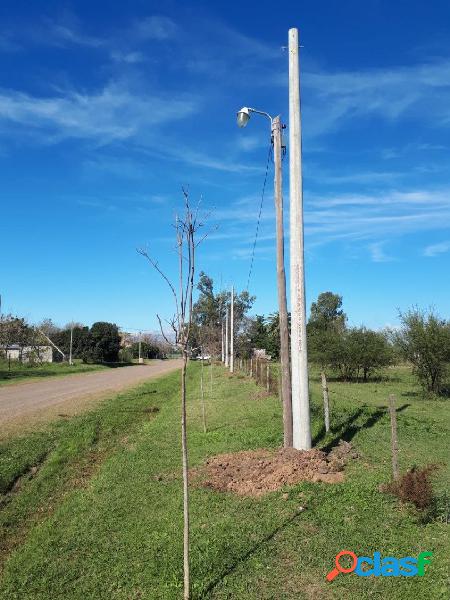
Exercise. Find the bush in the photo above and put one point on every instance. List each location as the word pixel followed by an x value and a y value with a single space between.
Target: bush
pixel 356 353
pixel 425 342
pixel 414 486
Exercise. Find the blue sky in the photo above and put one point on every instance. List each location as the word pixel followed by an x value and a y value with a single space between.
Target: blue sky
pixel 108 108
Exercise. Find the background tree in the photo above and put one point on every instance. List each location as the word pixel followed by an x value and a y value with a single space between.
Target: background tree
pixel 103 343
pixel 365 352
pixel 81 342
pixel 424 340
pixel 209 313
pixel 327 313
pixel 15 330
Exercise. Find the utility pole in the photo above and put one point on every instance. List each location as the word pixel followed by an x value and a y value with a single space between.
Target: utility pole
pixel 300 393
pixel 281 285
pixel 71 343
pixel 223 348
pixel 227 360
pixel 232 332
pixel 140 359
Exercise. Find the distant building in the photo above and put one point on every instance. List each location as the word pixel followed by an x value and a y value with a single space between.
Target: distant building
pixel 126 339
pixel 261 353
pixel 26 354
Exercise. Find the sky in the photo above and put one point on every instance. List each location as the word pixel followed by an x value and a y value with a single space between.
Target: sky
pixel 107 109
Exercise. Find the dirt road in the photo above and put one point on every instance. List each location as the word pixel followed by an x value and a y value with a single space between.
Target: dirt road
pixel 64 396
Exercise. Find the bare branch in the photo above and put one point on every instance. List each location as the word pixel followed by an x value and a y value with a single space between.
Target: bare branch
pixel 154 264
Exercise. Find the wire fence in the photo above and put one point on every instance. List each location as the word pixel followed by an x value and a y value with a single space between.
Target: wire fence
pixel 263 371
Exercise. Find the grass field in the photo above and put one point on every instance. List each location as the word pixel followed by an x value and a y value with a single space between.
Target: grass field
pixel 97 511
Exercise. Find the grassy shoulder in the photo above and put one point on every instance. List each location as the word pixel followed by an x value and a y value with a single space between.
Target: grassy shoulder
pixel 17 372
pixel 101 515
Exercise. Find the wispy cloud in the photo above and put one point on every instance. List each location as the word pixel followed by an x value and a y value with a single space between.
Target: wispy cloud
pixel 62 34
pixel 370 217
pixel 331 98
pixel 113 113
pixel 155 27
pixel 377 252
pixel 436 249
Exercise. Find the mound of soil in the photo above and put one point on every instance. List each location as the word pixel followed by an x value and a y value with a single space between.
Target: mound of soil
pixel 256 472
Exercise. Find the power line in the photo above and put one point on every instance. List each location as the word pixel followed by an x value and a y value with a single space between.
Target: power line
pixel 259 214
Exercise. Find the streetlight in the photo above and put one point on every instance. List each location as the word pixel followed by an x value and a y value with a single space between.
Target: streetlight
pixel 243 117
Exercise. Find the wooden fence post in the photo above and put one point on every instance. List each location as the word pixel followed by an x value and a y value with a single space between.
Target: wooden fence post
pixel 394 440
pixel 268 378
pixel 326 402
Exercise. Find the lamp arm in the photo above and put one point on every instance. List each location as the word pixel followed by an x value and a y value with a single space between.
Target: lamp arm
pixel 261 112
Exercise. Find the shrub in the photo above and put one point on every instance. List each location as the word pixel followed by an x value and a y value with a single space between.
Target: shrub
pixel 425 342
pixel 414 486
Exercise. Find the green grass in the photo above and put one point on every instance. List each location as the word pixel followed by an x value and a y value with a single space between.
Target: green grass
pixel 17 372
pixel 101 518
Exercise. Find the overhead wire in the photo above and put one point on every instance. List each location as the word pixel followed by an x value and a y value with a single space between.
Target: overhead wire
pixel 269 154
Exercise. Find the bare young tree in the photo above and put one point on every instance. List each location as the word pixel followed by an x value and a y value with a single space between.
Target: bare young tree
pixel 186 244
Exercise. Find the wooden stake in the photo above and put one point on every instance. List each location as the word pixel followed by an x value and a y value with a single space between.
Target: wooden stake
pixel 394 440
pixel 326 403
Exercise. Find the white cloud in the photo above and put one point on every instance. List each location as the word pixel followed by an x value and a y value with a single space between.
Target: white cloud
pixel 113 113
pixel 66 34
pixel 377 252
pixel 130 58
pixel 155 27
pixel 436 249
pixel 358 218
pixel 330 99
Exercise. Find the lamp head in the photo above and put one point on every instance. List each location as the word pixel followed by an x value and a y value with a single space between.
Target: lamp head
pixel 243 116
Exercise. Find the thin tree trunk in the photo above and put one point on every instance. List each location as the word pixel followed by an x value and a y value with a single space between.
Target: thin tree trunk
pixel 184 451
pixel 268 378
pixel 203 398
pixel 326 402
pixel 210 376
pixel 394 440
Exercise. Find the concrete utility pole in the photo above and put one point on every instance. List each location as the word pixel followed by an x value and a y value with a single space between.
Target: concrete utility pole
pixel 281 285
pixel 227 358
pixel 300 392
pixel 223 348
pixel 140 359
pixel 232 332
pixel 71 343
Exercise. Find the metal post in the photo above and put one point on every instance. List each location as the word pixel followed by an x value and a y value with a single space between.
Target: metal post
pixel 300 394
pixel 285 371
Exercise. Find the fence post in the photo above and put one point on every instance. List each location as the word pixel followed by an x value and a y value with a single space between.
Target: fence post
pixel 326 402
pixel 251 367
pixel 394 440
pixel 268 378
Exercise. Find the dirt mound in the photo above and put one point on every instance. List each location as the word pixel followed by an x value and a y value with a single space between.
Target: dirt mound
pixel 256 472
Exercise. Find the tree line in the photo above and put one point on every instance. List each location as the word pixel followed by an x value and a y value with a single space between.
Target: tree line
pixel 347 352
pixel 100 343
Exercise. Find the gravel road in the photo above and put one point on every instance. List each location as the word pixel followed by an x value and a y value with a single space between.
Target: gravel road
pixel 72 393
